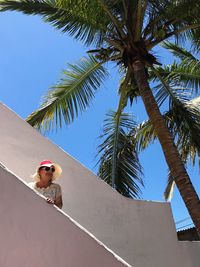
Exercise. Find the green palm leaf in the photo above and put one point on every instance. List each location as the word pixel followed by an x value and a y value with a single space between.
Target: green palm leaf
pixel 127 169
pixel 170 19
pixel 184 123
pixel 195 40
pixel 76 17
pixel 73 93
pixel 132 91
pixel 144 135
pixel 178 79
pixel 178 51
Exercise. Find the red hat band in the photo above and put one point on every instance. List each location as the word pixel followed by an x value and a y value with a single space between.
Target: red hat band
pixel 44 162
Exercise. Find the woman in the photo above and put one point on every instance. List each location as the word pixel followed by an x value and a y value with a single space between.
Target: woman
pixel 46 173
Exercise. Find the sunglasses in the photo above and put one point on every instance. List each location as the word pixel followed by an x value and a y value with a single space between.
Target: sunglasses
pixel 47 169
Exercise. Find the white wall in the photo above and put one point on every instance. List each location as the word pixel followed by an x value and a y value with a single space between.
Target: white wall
pixel 191 253
pixel 141 232
pixel 34 233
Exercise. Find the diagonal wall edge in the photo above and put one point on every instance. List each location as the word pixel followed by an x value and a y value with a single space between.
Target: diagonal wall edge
pixel 141 232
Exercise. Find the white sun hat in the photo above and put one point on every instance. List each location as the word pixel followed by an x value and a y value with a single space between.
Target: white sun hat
pixel 48 163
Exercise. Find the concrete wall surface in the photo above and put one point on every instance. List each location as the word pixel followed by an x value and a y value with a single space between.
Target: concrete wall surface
pixel 191 253
pixel 141 232
pixel 34 233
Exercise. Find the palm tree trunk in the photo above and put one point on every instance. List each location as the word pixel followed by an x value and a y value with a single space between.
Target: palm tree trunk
pixel 172 157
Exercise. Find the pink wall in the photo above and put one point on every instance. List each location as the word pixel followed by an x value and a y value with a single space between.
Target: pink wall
pixel 141 232
pixel 191 253
pixel 34 233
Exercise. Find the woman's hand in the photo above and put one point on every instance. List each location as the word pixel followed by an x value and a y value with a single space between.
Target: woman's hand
pixel 50 201
pixel 58 202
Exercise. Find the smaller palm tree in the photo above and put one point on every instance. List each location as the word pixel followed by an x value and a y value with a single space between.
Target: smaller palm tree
pixel 119 164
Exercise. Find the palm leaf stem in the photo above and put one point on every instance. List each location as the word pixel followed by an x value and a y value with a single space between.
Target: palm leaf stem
pixel 157 41
pixel 166 86
pixel 178 51
pixel 86 73
pixel 113 19
pixel 138 21
pixel 149 27
pixel 118 118
pixel 114 43
pixel 65 98
pixel 125 10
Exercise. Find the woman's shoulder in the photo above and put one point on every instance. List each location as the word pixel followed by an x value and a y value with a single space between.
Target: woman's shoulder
pixel 57 189
pixel 55 186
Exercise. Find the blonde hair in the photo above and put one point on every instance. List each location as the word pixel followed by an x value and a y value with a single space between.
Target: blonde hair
pixel 36 177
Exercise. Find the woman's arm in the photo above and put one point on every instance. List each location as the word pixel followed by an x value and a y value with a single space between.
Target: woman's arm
pixel 58 202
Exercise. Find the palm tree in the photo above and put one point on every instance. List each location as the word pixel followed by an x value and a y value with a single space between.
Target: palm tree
pixel 123 31
pixel 183 117
pixel 119 164
pixel 184 124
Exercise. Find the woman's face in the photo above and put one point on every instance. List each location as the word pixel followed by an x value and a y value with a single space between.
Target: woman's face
pixel 46 173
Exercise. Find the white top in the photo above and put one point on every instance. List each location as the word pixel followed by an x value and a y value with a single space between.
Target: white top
pixel 53 191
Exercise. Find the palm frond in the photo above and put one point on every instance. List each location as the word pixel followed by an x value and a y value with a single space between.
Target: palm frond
pixel 77 17
pixel 116 141
pixel 185 73
pixel 195 40
pixel 121 105
pixel 144 135
pixel 165 89
pixel 167 19
pixel 131 89
pixel 181 80
pixel 178 51
pixel 73 93
pixel 185 125
pixel 110 9
pixel 141 9
pixel 169 190
pixel 183 121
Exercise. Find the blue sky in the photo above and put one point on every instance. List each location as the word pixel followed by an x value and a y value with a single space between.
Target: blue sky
pixel 33 55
